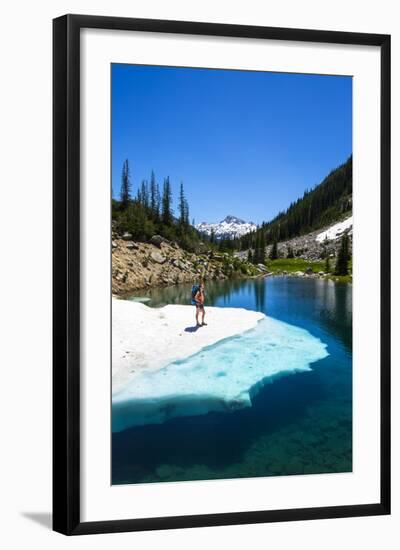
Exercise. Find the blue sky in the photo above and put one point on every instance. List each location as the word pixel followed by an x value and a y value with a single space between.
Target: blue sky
pixel 243 143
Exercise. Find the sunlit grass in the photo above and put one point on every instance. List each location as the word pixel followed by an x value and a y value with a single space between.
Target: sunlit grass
pixel 294 264
pixel 291 265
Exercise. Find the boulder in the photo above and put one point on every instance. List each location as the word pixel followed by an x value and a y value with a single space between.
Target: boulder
pixel 127 236
pixel 121 277
pixel 262 267
pixel 158 257
pixel 308 271
pixel 113 244
pixel 157 240
pixel 201 247
pixel 178 263
pixel 132 246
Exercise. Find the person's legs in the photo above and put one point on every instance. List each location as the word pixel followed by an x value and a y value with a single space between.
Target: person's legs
pixel 203 311
pixel 197 315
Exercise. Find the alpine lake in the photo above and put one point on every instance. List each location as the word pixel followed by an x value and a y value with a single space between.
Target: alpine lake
pixel 298 424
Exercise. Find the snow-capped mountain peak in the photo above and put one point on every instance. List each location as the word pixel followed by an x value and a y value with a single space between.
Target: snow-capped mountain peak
pixel 229 227
pixel 232 219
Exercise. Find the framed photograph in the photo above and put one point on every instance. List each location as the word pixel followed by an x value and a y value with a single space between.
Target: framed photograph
pixel 221 274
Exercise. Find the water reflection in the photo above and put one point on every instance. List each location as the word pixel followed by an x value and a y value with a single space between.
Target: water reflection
pixel 259 293
pixel 310 303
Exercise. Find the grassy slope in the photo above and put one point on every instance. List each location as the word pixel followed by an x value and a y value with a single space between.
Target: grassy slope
pixel 291 265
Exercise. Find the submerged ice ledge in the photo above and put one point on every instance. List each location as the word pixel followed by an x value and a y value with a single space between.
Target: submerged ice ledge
pixel 161 371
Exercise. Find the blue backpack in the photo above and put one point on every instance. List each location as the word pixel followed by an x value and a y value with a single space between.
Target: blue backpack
pixel 195 289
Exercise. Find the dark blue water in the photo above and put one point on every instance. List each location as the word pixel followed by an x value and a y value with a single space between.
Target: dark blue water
pixel 299 424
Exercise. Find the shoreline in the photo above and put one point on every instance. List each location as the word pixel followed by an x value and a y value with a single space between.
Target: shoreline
pixel 140 266
pixel 127 293
pixel 147 339
pixel 296 275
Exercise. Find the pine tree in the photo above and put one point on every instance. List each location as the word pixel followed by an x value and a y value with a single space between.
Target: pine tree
pixel 183 207
pixel 154 197
pixel 125 193
pixel 327 265
pixel 148 213
pixel 256 253
pixel 153 194
pixel 158 202
pixel 186 212
pixel 144 194
pixel 290 253
pixel 343 257
pixel 261 253
pixel 250 256
pixel 166 202
pixel 273 255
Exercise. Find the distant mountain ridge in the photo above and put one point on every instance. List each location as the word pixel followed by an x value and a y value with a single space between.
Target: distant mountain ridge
pixel 230 227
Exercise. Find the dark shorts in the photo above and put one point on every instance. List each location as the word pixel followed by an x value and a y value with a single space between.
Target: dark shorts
pixel 199 306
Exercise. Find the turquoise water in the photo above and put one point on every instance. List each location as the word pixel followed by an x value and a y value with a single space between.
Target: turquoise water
pixel 223 377
pixel 299 424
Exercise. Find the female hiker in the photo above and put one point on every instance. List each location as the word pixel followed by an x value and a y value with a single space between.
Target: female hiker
pixel 198 299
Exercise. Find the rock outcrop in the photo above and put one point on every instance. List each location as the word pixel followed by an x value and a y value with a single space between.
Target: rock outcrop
pixel 137 265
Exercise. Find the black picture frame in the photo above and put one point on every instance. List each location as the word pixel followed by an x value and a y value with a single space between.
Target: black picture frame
pixel 66 273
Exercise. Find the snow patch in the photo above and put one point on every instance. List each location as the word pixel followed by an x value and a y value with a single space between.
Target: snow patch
pixel 146 339
pixel 335 231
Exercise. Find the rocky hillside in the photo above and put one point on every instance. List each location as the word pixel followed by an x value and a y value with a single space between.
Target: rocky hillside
pixel 160 262
pixel 315 245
